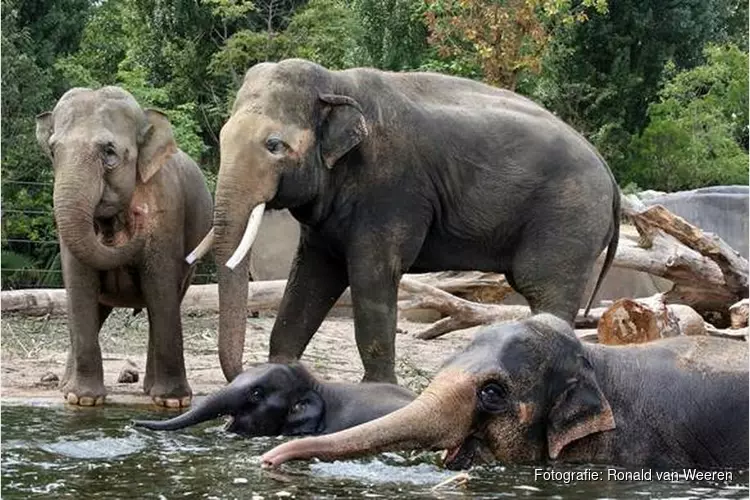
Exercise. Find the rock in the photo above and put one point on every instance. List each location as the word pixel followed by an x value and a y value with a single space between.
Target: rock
pixel 49 379
pixel 128 374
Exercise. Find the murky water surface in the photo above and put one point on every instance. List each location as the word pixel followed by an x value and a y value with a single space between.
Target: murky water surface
pixel 60 452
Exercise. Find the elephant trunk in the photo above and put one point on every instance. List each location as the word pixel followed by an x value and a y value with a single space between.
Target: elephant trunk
pixel 441 417
pixel 232 211
pixel 75 199
pixel 223 402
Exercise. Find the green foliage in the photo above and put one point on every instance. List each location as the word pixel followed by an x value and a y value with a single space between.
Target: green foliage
pixel 635 80
pixel 393 35
pixel 698 133
pixel 601 75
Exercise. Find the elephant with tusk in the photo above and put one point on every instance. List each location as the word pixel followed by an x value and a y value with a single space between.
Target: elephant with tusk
pixel 128 207
pixel 531 392
pixel 400 172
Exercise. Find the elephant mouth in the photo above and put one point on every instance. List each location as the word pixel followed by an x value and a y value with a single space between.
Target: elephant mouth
pixel 114 230
pixel 472 451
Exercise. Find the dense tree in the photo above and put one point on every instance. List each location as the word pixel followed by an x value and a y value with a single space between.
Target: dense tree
pixel 601 75
pixel 698 129
pixel 504 39
pixel 635 79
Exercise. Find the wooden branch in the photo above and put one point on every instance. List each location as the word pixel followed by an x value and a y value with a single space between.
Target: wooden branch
pixel 460 313
pixel 708 275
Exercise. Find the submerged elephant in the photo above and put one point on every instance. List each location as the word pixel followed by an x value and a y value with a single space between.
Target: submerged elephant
pixel 396 172
pixel 276 399
pixel 128 206
pixel 531 392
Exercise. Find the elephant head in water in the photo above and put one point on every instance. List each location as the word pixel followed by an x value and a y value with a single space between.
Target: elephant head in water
pixel 531 392
pixel 277 399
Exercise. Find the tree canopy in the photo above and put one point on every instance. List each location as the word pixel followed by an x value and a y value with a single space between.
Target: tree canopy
pixel 659 87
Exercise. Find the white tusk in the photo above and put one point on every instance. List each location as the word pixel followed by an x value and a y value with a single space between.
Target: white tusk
pixel 202 249
pixel 253 223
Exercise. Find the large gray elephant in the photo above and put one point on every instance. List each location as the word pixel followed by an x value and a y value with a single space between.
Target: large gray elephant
pixel 128 206
pixel 396 172
pixel 530 392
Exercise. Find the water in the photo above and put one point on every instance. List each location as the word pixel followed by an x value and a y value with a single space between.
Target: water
pixel 65 452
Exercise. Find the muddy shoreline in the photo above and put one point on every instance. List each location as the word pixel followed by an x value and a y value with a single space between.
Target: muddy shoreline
pixel 33 347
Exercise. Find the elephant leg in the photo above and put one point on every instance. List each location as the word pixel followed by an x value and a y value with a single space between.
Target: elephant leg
pixel 316 281
pixel 552 270
pixel 83 381
pixel 374 279
pixel 148 380
pixel 165 379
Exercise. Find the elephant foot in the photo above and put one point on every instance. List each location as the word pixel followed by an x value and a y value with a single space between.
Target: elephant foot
pixel 173 402
pixel 170 395
pixel 389 378
pixel 77 392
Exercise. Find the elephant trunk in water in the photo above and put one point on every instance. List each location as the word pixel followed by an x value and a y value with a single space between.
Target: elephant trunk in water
pixel 441 417
pixel 220 403
pixel 75 200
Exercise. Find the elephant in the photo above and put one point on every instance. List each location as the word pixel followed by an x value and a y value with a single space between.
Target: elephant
pixel 128 206
pixel 274 399
pixel 395 172
pixel 530 392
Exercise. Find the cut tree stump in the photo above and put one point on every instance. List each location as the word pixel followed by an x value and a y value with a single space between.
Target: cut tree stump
pixel 629 321
pixel 738 314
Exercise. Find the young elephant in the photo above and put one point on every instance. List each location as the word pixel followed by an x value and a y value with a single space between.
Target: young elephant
pixel 128 206
pixel 530 391
pixel 277 399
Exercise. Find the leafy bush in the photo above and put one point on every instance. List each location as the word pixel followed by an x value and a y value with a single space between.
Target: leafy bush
pixel 697 134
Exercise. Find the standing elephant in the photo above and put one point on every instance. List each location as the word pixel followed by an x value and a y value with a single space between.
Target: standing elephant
pixel 531 392
pixel 275 399
pixel 396 172
pixel 128 206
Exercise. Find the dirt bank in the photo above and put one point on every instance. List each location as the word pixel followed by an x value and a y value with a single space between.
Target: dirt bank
pixel 32 347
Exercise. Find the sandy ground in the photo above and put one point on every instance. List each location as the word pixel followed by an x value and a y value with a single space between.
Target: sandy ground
pixel 34 347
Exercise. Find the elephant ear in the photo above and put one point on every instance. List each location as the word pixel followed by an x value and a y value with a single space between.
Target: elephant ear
pixel 343 128
pixel 156 144
pixel 44 131
pixel 306 416
pixel 580 410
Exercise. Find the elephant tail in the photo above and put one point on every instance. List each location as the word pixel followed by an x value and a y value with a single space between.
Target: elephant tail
pixel 613 240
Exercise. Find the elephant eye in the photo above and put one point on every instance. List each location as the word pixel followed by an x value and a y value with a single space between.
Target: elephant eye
pixel 109 155
pixel 493 397
pixel 275 145
pixel 298 407
pixel 256 394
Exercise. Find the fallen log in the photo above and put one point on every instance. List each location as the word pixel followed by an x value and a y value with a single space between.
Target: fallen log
pixel 262 295
pixel 708 275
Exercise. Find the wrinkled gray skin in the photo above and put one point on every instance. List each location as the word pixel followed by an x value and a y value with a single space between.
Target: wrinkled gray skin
pixel 397 172
pixel 275 399
pixel 128 206
pixel 530 392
